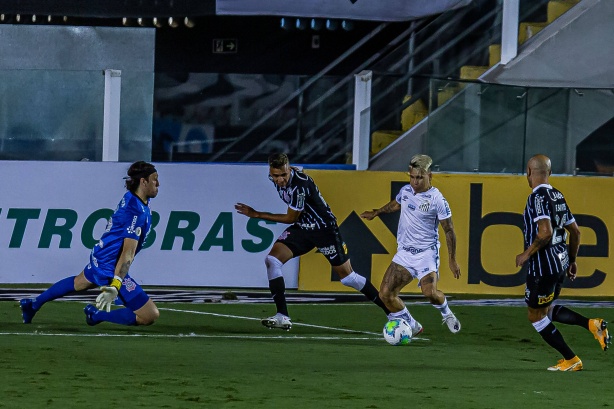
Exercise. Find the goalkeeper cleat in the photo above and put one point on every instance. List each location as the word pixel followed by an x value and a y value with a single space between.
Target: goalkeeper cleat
pixel 90 311
pixel 27 311
pixel 452 322
pixel 416 329
pixel 567 365
pixel 277 321
pixel 599 328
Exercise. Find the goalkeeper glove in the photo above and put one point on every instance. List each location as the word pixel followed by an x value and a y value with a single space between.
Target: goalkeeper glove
pixel 108 294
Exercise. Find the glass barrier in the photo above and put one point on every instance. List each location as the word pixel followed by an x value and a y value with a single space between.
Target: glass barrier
pixel 58 115
pixel 477 127
pixel 246 117
pixel 51 115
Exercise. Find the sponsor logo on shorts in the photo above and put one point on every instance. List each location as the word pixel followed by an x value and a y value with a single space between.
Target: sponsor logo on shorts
pixel 328 251
pixel 413 250
pixel 308 226
pixel 284 235
pixel 543 299
pixel 345 249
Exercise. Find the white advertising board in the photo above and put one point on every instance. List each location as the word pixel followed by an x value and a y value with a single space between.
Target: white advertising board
pixel 51 213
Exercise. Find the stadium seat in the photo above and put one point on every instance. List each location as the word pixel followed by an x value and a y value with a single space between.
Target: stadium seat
pixel 472 72
pixel 557 8
pixel 528 30
pixel 381 139
pixel 413 114
pixel 494 54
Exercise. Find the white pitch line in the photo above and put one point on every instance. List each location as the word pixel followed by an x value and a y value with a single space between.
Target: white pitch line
pixel 293 324
pixel 191 335
pixel 258 319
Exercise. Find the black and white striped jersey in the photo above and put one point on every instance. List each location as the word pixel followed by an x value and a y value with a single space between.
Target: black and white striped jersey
pixel 302 194
pixel 547 202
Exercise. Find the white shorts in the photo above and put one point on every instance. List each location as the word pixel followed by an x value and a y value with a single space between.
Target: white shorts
pixel 419 262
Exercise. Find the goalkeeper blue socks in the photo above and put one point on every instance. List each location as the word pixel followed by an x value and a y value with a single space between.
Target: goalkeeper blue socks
pixel 121 316
pixel 59 289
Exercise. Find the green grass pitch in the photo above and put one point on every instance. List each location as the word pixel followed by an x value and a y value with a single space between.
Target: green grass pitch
pixel 217 355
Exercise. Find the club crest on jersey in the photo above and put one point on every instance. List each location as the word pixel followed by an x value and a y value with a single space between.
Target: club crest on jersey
pixel 424 206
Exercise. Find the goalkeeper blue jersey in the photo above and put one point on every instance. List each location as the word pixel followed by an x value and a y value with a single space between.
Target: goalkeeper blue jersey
pixel 131 219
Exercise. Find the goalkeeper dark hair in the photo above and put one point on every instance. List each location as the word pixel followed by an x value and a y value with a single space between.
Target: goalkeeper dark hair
pixel 138 170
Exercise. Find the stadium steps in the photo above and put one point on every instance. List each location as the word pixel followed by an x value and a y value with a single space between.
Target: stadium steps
pixel 417 111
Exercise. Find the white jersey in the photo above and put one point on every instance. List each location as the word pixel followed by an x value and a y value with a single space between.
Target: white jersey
pixel 420 216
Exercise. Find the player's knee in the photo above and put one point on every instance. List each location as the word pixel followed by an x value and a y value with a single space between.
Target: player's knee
pixel 149 317
pixel 429 292
pixel 535 315
pixel 273 267
pixel 386 295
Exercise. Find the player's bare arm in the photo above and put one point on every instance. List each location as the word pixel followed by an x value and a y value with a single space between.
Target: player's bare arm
pixel 126 257
pixel 391 207
pixel 448 227
pixel 544 235
pixel 572 248
pixel 291 216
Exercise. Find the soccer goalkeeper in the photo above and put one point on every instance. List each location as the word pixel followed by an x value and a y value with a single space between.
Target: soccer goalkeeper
pixel 111 259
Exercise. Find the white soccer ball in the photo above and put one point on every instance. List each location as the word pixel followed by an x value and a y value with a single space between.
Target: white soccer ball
pixel 397 332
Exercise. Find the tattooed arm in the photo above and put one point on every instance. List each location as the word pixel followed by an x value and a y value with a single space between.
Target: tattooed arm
pixel 391 207
pixel 544 235
pixel 448 228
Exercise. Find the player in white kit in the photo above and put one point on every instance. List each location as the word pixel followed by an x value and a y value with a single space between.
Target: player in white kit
pixel 423 209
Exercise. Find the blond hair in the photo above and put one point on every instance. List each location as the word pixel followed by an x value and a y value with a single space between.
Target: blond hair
pixel 421 162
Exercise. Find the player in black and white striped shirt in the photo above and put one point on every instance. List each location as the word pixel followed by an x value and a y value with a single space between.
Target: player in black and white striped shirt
pixel 313 225
pixel 547 219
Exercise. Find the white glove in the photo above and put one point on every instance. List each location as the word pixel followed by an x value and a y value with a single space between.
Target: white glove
pixel 108 294
pixel 106 298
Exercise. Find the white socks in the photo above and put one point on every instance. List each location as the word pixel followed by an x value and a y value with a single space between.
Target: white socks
pixel 404 313
pixel 354 280
pixel 443 308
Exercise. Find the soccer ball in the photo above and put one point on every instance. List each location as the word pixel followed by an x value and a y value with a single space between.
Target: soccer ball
pixel 397 332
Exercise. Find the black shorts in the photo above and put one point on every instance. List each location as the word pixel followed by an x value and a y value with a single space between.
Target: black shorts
pixel 541 291
pixel 327 241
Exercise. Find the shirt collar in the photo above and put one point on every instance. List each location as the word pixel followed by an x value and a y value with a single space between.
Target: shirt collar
pixel 546 185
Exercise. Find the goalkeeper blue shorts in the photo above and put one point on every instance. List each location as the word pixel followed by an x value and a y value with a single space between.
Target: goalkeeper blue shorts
pixel 131 293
